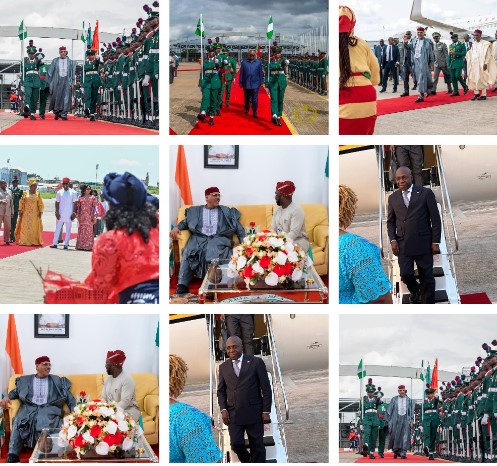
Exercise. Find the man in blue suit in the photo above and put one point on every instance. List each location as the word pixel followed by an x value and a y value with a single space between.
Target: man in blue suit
pixel 390 60
pixel 250 78
pixel 378 51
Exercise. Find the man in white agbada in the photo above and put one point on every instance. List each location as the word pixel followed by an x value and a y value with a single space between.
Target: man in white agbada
pixel 65 212
pixel 119 386
pixel 481 66
pixel 288 217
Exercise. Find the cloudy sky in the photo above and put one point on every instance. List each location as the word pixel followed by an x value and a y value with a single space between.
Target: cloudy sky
pixel 394 15
pixel 289 16
pixel 113 16
pixel 78 162
pixel 406 340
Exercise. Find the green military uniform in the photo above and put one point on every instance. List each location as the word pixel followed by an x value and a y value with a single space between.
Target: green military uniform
pixel 223 64
pixel 230 76
pixel 44 90
pixel 491 406
pixel 457 52
pixel 371 420
pixel 16 197
pixel 210 84
pixel 153 68
pixel 92 83
pixel 131 66
pixel 431 421
pixel 31 81
pixel 383 426
pixel 322 74
pixel 276 82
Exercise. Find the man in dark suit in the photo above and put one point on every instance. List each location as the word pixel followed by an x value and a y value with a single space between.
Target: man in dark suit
pixel 414 229
pixel 244 397
pixel 389 62
pixel 406 63
pixel 250 78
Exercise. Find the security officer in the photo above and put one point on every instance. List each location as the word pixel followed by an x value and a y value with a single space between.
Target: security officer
pixel 383 427
pixel 276 82
pixel 322 73
pixel 44 90
pixel 92 83
pixel 209 83
pixel 431 421
pixel 457 52
pixel 31 81
pixel 16 197
pixel 371 420
pixel 441 54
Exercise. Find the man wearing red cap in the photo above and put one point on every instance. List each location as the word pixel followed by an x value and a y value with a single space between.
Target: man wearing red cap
pixel 60 78
pixel 422 59
pixel 288 217
pixel 481 66
pixel 212 227
pixel 42 398
pixel 65 208
pixel 119 386
pixel 399 415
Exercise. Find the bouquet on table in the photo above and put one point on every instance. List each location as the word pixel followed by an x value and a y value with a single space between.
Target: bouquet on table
pixel 268 256
pixel 99 426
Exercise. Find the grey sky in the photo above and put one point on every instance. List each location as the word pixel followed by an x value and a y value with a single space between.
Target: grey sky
pixel 372 15
pixel 289 17
pixel 78 162
pixel 406 340
pixel 113 16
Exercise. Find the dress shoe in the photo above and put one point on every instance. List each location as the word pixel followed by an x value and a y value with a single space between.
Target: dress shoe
pixel 274 119
pixel 454 94
pixel 92 118
pixel 54 246
pixel 279 121
pixel 475 97
pixel 255 115
pixel 425 450
pixel 11 458
pixel 405 94
pixel 466 89
pixel 419 99
pixel 414 87
pixel 483 97
pixel 66 247
pixel 32 117
pixel 246 111
pixel 63 118
pixel 403 456
pixel 7 243
pixel 365 448
pixel 218 112
pixel 182 289
pixel 371 456
pixel 211 121
pixel 414 298
pixel 433 92
pixel 395 456
pixel 381 455
pixel 227 105
pixel 56 117
pixel 42 117
pixel 449 91
pixel 431 457
pixel 201 117
pixel 383 90
pixel 394 91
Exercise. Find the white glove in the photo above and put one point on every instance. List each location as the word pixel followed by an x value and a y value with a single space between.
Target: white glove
pixel 267 90
pixel 225 62
pixel 287 62
pixel 156 76
pixel 119 88
pixel 216 61
pixel 484 419
pixel 495 415
pixel 146 80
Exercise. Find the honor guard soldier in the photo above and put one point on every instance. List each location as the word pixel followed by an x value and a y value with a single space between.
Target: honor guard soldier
pixel 31 81
pixel 209 84
pixel 44 90
pixel 383 427
pixel 431 421
pixel 370 420
pixel 92 83
pixel 276 82
pixel 151 51
pixel 322 73
pixel 16 198
pixel 457 52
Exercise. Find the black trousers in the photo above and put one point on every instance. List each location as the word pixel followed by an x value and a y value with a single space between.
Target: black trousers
pixel 411 156
pixel 407 71
pixel 426 279
pixel 255 434
pixel 251 96
pixel 242 326
pixel 390 65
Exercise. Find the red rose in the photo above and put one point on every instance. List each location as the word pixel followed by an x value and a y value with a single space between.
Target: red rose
pixel 118 437
pixel 249 252
pixel 262 238
pixel 79 421
pixel 288 268
pixel 79 441
pixel 279 270
pixel 248 272
pixel 110 439
pixel 95 431
pixel 264 261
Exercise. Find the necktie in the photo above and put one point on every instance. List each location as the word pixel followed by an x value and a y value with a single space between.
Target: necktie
pixel 235 367
pixel 406 199
pixel 389 53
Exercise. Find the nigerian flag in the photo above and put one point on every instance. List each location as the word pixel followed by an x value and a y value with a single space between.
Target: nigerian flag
pixel 22 32
pixel 422 376
pixel 269 32
pixel 200 28
pixel 361 372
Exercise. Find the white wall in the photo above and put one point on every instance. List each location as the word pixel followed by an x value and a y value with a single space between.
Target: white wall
pixel 260 167
pixel 90 337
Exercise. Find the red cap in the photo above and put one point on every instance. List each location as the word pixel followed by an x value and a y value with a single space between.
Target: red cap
pixel 402 387
pixel 42 359
pixel 477 31
pixel 420 28
pixel 287 188
pixel 62 48
pixel 211 190
pixel 116 357
pixel 65 180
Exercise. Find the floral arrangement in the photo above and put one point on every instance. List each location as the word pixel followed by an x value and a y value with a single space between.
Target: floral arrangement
pixel 98 425
pixel 270 256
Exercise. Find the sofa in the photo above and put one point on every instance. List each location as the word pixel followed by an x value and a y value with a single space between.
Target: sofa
pixel 316 226
pixel 147 397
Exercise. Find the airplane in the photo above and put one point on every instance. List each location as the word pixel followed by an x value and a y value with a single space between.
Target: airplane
pixel 486 23
pixel 286 343
pixel 454 173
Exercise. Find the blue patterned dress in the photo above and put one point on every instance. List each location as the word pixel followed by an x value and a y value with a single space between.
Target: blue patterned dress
pixel 190 436
pixel 361 277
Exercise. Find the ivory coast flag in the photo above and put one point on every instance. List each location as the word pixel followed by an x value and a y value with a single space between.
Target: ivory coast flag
pixel 11 363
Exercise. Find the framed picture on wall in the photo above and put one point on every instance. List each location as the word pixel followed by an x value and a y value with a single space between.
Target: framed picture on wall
pixel 51 325
pixel 221 156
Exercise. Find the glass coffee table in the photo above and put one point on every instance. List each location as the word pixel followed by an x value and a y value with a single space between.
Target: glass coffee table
pixel 218 288
pixel 47 450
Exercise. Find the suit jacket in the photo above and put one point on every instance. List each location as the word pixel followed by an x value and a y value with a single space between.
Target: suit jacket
pixel 395 55
pixel 417 227
pixel 247 396
pixel 378 52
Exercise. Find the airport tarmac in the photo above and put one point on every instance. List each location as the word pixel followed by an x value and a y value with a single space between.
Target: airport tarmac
pixel 458 118
pixel 24 284
pixel 476 260
pixel 306 432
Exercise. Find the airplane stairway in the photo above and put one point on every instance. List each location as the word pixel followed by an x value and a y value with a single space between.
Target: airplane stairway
pixel 446 290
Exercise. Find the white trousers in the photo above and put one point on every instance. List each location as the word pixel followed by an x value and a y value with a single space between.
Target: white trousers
pixel 58 229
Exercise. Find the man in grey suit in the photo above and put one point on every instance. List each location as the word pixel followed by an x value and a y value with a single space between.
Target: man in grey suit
pixel 406 63
pixel 414 229
pixel 441 54
pixel 60 78
pixel 399 415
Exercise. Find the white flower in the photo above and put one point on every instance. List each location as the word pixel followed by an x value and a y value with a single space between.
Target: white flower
pixel 271 279
pixel 123 426
pixel 77 410
pixel 257 268
pixel 111 427
pixel 88 437
pixel 127 444
pixel 71 432
pixel 289 245
pixel 292 256
pixel 276 242
pixel 237 251
pixel 102 448
pixel 106 411
pixel 240 263
pixel 296 275
pixel 230 273
pixel 281 258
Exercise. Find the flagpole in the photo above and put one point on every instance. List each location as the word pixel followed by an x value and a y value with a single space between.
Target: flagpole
pixel 201 47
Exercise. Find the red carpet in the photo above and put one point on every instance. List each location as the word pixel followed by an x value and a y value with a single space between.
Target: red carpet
pixel 74 125
pixel 171 131
pixel 475 298
pixel 389 459
pixel 14 249
pixel 404 104
pixel 234 121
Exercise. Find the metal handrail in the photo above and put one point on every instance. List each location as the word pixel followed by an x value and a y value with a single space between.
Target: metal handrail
pixel 380 156
pixel 210 329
